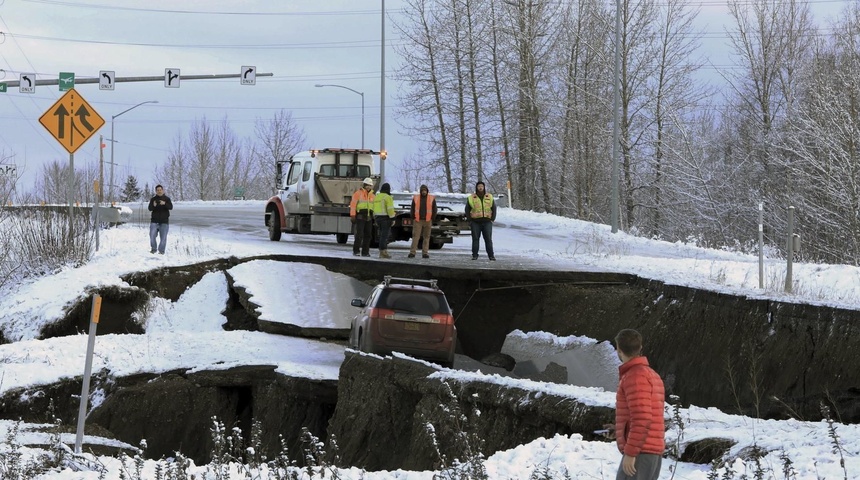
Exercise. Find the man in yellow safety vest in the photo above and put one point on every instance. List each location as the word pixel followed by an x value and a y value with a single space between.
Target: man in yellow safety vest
pixel 481 211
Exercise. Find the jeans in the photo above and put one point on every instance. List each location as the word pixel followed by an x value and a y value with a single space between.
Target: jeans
pixel 384 223
pixel 161 230
pixel 485 229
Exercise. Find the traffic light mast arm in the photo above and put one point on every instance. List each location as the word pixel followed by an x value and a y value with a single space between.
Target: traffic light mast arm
pixel 160 78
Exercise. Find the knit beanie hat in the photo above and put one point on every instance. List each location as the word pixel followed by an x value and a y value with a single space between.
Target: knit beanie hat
pixel 386 188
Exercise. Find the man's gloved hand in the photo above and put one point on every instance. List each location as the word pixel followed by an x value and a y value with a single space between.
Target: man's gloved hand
pixel 352 219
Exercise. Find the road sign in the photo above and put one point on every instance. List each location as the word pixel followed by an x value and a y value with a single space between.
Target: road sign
pixel 71 120
pixel 66 81
pixel 248 76
pixel 2 88
pixel 171 77
pixel 27 83
pixel 8 170
pixel 106 79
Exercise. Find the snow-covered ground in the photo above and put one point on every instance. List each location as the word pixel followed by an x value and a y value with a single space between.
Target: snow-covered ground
pixel 187 333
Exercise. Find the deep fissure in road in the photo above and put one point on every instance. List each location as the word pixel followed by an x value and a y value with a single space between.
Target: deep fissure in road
pixel 712 349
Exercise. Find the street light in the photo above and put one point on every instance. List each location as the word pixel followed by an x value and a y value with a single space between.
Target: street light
pixel 113 140
pixel 362 105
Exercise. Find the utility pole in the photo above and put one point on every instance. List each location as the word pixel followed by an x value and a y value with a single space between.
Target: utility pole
pixel 616 136
pixel 382 153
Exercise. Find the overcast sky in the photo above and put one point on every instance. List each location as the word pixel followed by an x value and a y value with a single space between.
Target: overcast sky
pixel 302 42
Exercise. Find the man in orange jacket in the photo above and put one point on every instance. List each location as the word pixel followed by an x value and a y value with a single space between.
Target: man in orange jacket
pixel 423 212
pixel 639 426
pixel 361 214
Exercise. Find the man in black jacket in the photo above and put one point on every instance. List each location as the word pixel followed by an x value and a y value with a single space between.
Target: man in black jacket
pixel 160 206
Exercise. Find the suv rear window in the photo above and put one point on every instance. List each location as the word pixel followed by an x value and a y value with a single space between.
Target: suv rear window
pixel 419 302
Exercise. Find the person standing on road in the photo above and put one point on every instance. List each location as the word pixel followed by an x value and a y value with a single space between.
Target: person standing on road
pixel 160 206
pixel 481 211
pixel 639 426
pixel 361 214
pixel 383 208
pixel 422 212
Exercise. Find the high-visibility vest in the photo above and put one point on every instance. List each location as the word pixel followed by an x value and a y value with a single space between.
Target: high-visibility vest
pixel 383 205
pixel 481 207
pixel 428 214
pixel 361 200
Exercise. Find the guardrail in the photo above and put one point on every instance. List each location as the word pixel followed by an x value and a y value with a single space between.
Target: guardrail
pixel 106 214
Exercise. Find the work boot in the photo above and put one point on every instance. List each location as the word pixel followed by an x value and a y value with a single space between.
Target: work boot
pixel 411 255
pixel 385 254
pixel 425 255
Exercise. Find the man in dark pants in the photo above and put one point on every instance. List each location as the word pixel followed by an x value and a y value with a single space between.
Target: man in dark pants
pixel 160 206
pixel 481 210
pixel 361 214
pixel 383 211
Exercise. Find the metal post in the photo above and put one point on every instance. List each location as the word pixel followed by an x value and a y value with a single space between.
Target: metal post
pixel 362 104
pixel 760 245
pixel 382 98
pixel 789 249
pixel 69 196
pixel 113 141
pixel 88 368
pixel 616 135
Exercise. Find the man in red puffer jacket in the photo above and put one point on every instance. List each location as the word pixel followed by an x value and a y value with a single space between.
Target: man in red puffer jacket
pixel 639 426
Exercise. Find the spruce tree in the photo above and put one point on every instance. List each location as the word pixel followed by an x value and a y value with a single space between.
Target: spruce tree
pixel 130 191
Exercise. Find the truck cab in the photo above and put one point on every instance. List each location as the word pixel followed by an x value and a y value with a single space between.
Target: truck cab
pixel 314 191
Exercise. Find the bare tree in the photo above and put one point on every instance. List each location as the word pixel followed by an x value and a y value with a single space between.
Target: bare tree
pixel 277 139
pixel 422 99
pixel 200 171
pixel 174 171
pixel 227 161
pixel 771 42
pixel 674 94
pixel 584 112
pixel 52 186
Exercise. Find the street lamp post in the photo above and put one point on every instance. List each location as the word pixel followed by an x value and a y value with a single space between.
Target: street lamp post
pixel 362 105
pixel 113 140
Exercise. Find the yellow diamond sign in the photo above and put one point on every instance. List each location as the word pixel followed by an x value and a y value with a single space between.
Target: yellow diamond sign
pixel 72 121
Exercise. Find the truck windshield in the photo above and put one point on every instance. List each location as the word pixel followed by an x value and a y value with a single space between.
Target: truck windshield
pixel 360 171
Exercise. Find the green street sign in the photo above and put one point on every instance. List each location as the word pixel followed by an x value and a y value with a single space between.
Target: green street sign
pixel 2 88
pixel 67 81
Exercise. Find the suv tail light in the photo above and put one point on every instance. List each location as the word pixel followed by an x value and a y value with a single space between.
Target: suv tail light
pixel 383 313
pixel 443 319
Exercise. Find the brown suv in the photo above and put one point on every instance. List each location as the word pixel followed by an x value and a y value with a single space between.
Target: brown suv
pixel 405 315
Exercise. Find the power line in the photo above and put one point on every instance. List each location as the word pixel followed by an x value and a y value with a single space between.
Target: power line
pixel 338 45
pixel 202 12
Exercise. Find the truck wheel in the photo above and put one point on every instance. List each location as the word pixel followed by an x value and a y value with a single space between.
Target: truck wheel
pixel 342 238
pixel 436 245
pixel 274 226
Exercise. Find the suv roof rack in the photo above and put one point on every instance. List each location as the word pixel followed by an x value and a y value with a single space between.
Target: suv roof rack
pixel 412 281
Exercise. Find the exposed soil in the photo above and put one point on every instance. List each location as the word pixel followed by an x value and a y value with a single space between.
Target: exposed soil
pixel 710 348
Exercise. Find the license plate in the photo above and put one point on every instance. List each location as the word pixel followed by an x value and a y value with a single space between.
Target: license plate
pixel 414 327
